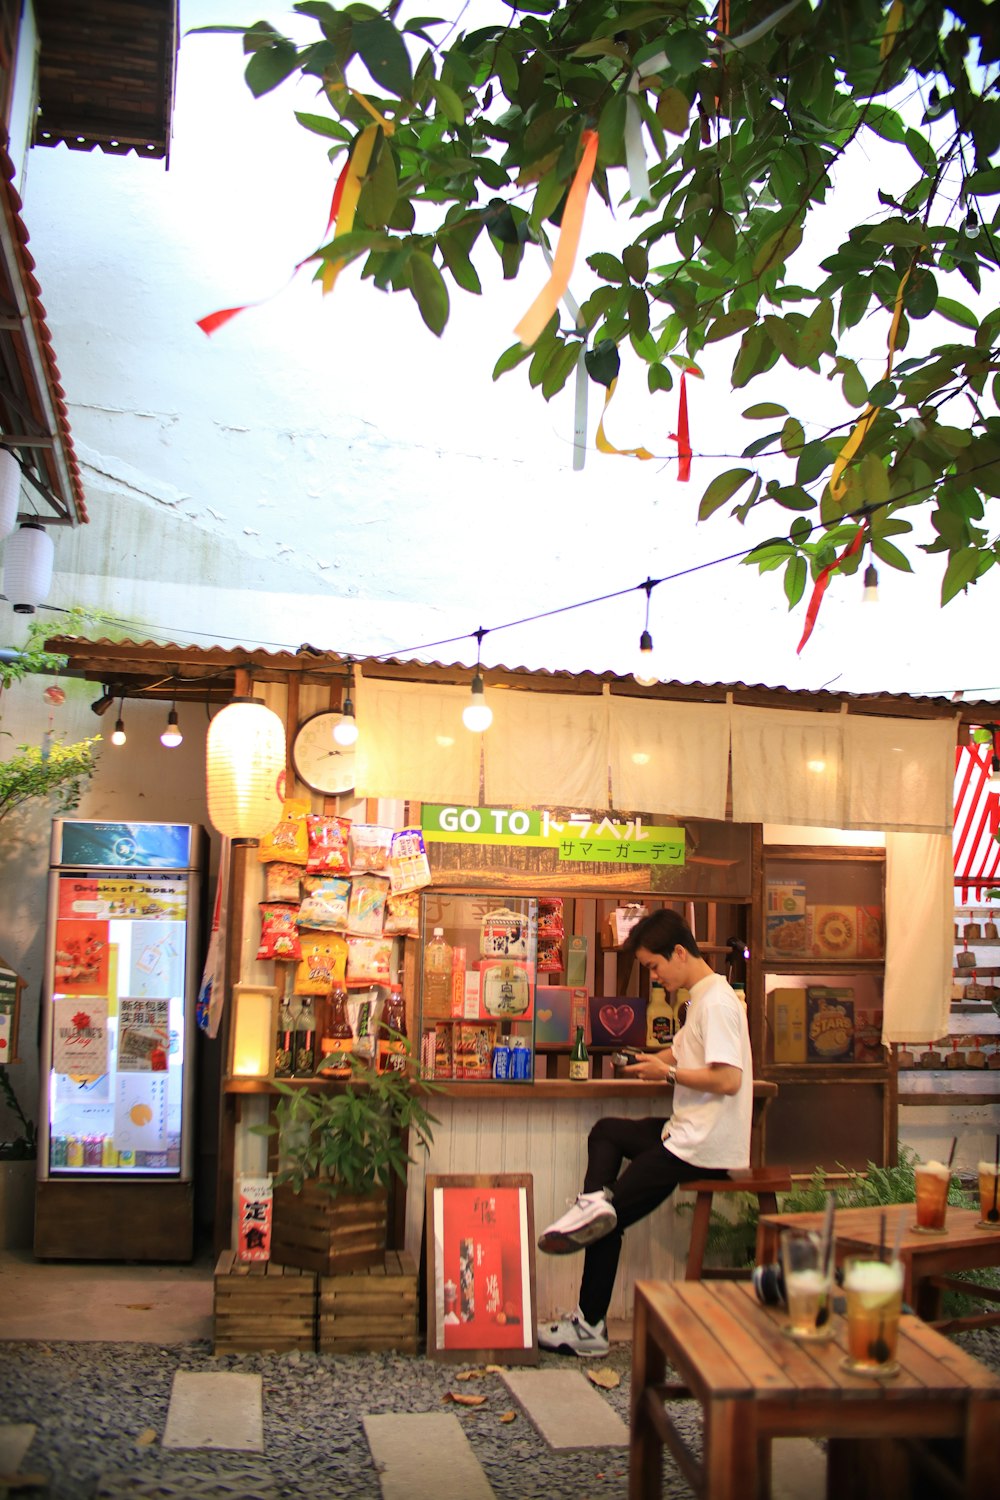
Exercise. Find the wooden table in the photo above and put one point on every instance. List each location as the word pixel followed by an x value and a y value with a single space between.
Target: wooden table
pixel 755 1384
pixel 930 1261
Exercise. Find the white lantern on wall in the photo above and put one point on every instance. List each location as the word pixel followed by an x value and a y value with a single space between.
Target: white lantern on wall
pixel 245 764
pixel 27 567
pixel 10 491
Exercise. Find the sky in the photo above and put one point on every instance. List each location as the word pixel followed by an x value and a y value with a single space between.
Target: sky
pixel 408 497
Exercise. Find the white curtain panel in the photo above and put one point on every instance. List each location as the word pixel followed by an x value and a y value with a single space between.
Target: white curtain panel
pixel 787 767
pixel 669 757
pixel 546 749
pixel 899 774
pixel 919 914
pixel 412 742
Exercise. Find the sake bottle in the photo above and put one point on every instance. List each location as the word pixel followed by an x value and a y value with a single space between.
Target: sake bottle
pixel 579 1058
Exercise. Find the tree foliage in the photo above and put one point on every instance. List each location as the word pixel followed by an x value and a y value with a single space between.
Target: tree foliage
pixel 53 770
pixel 742 113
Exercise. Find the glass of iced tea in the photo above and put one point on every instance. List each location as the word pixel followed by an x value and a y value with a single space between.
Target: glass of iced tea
pixel 989 1184
pixel 807 1285
pixel 874 1291
pixel 932 1180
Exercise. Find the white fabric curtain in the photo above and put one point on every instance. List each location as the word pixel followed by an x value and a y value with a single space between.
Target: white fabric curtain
pixel 787 767
pixel 669 757
pixel 412 742
pixel 546 749
pixel 899 774
pixel 919 914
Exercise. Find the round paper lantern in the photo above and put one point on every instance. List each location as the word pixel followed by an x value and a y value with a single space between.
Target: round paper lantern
pixel 10 491
pixel 27 567
pixel 245 762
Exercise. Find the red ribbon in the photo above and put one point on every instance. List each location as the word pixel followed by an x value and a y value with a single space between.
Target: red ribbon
pixel 854 546
pixel 682 437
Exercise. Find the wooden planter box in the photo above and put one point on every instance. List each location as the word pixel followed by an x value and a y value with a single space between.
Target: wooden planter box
pixel 328 1235
pixel 370 1310
pixel 263 1305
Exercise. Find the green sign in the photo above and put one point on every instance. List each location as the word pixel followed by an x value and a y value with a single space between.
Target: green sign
pixel 575 836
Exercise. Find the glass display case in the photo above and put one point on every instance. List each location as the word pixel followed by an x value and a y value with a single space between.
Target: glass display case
pixel 477 986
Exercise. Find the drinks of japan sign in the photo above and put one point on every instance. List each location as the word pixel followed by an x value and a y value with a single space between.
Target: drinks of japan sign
pixel 575 836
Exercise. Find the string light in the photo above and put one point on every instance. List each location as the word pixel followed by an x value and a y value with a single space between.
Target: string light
pixel 644 671
pixel 171 736
pixel 118 733
pixel 346 730
pixel 870 595
pixel 477 715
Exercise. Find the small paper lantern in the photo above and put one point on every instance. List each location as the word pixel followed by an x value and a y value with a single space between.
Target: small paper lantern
pixel 10 491
pixel 253 1030
pixel 27 567
pixel 245 762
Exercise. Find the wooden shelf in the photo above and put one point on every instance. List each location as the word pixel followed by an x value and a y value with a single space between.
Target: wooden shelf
pixel 806 965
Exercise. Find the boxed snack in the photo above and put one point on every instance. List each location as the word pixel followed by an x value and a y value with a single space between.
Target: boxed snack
pixel 506 989
pixel 868 1038
pixel 832 931
pixel 787 1011
pixel 409 867
pixel 829 1024
pixel 785 918
pixel 871 931
pixel 617 1021
pixel 576 959
pixel 464 1049
pixel 559 1010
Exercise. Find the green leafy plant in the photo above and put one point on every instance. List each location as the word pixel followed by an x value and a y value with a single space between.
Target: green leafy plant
pixel 52 771
pixel 351 1137
pixel 24 1145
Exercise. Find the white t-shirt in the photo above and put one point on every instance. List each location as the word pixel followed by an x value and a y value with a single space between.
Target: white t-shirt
pixel 712 1130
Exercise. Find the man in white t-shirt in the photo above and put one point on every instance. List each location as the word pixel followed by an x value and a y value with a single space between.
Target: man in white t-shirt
pixel 709 1066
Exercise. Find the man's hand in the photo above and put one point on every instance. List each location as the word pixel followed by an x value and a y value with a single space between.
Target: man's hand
pixel 652 1066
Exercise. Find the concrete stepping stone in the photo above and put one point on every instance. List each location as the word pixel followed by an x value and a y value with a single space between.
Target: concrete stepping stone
pixel 219 1410
pixel 425 1456
pixel 15 1440
pixel 566 1409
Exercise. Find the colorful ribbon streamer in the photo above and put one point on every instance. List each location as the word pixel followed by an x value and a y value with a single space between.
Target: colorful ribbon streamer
pixel 819 588
pixel 682 437
pixel 357 168
pixel 838 488
pixel 604 446
pixel 545 304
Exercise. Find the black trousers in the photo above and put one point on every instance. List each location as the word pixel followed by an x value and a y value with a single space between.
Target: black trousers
pixel 650 1177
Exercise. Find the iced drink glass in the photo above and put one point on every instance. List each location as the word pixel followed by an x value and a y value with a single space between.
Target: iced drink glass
pixel 874 1291
pixel 807 1284
pixel 989 1189
pixel 932 1180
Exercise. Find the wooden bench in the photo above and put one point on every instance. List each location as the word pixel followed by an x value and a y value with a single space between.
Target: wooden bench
pixel 762 1183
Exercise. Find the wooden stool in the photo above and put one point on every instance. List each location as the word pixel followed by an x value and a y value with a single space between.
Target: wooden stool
pixel 762 1183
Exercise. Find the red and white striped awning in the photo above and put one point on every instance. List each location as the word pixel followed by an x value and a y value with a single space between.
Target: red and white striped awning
pixel 977 813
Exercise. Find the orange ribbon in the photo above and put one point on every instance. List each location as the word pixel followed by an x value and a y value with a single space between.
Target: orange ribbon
pixel 819 589
pixel 545 304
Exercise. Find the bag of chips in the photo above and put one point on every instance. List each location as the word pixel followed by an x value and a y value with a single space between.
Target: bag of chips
pixel 323 964
pixel 366 908
pixel 324 904
pixel 370 846
pixel 550 916
pixel 550 959
pixel 402 915
pixel 281 881
pixel 328 852
pixel 409 868
pixel 369 960
pixel 279 936
pixel 289 838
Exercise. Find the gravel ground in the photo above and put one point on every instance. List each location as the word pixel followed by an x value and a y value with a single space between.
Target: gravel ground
pixel 100 1410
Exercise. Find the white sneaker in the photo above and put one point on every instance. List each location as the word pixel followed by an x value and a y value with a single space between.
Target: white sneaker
pixel 591 1218
pixel 574 1335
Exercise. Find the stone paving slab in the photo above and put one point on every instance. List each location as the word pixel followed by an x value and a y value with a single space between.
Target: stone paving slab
pixel 566 1409
pixel 215 1411
pixel 425 1456
pixel 15 1440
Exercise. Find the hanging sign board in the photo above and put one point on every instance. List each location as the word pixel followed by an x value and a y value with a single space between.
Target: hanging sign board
pixel 578 837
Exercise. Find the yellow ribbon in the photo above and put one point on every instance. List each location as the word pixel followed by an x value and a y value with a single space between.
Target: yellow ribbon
pixel 361 156
pixel 547 301
pixel 892 25
pixel 838 487
pixel 603 446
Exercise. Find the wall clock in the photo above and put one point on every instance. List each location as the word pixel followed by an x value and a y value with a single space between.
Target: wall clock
pixel 322 764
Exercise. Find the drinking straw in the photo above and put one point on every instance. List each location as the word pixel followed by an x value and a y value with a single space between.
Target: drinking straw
pixel 951 1153
pixel 881 1236
pixel 827 1241
pixel 900 1226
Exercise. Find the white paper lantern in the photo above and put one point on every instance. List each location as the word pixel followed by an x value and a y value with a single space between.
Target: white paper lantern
pixel 10 491
pixel 27 567
pixel 245 763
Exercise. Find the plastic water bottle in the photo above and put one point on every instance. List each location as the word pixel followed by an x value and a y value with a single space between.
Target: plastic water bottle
pixel 437 975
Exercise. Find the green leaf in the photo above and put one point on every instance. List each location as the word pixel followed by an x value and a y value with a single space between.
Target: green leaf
pixel 270 66
pixel 611 131
pixel 603 362
pixel 983 183
pixel 430 291
pixel 962 569
pixel 608 267
pixel 673 110
pixel 796 573
pixel 721 489
pixel 384 54
pixel 853 385
pixel 448 102
pixel 638 312
pixel 722 236
pixel 323 125
pixel 729 323
pixel 887 553
pixel 635 259
pixel 792 437
pixel 956 312
pixel 454 255
pixel 776 249
pixel 765 409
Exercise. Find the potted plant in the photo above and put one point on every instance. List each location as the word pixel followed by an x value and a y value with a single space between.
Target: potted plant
pixel 338 1151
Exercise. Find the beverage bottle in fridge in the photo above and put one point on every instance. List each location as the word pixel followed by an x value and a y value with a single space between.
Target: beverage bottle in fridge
pixel 283 1042
pixel 437 975
pixel 304 1064
pixel 579 1058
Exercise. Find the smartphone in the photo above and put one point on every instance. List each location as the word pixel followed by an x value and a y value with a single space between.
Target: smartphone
pixel 624 1056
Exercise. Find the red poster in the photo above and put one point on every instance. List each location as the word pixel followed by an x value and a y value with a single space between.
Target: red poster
pixel 81 958
pixel 481 1268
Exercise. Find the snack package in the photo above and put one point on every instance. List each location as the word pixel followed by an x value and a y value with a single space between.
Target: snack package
pixel 370 846
pixel 289 838
pixel 281 881
pixel 323 963
pixel 409 867
pixel 324 905
pixel 279 937
pixel 328 849
pixel 402 914
pixel 364 1011
pixel 549 959
pixel 369 961
pixel 550 917
pixel 366 908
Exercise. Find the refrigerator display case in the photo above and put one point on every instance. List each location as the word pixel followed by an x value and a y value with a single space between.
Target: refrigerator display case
pixel 118 1028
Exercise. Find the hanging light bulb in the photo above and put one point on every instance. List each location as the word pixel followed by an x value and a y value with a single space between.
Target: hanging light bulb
pixel 644 671
pixel 477 715
pixel 870 595
pixel 346 731
pixel 971 225
pixel 933 110
pixel 118 733
pixel 27 567
pixel 10 491
pixel 171 736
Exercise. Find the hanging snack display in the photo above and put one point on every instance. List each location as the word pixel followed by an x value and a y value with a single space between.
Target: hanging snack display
pixel 279 936
pixel 409 867
pixel 289 838
pixel 322 965
pixel 328 849
pixel 325 903
pixel 281 881
pixel 370 846
pixel 366 907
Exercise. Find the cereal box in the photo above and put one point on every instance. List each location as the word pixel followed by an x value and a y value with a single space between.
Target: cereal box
pixel 868 1037
pixel 871 932
pixel 829 1024
pixel 787 1009
pixel 785 918
pixel 832 931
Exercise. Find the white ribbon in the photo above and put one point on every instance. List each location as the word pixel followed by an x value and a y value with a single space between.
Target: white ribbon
pixel 635 151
